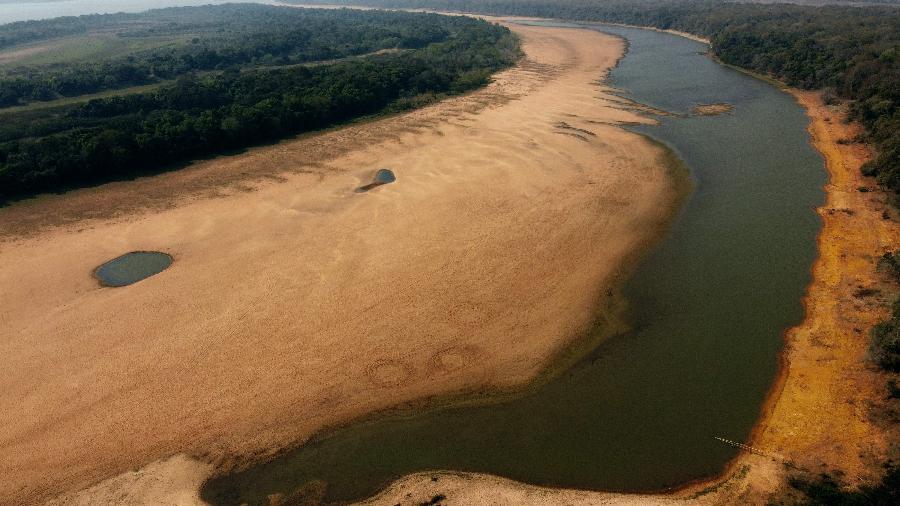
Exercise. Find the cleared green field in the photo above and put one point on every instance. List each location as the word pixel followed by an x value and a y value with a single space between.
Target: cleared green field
pixel 83 48
pixel 60 103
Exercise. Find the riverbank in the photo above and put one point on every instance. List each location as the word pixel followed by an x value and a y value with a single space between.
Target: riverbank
pixel 824 417
pixel 295 304
pixel 825 389
pixel 824 411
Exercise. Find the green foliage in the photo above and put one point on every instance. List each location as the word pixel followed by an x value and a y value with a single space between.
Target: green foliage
pixel 893 389
pixel 885 346
pixel 825 491
pixel 204 114
pixel 208 38
pixel 855 51
pixel 889 263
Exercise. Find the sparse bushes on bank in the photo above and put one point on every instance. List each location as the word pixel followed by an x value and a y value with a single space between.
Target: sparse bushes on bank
pixel 885 346
pixel 825 491
pixel 889 263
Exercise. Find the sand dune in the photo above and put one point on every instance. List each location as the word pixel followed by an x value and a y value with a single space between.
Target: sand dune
pixel 295 303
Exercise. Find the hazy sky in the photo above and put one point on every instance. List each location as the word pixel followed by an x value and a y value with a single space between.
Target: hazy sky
pixel 22 10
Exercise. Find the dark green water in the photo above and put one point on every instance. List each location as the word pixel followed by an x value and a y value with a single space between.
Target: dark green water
pixel 708 309
pixel 132 267
pixel 384 176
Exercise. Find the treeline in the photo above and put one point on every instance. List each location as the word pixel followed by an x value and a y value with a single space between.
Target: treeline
pixel 209 38
pixel 854 52
pixel 201 115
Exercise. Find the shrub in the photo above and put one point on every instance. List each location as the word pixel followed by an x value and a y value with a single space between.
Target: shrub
pixel 826 491
pixel 885 346
pixel 889 263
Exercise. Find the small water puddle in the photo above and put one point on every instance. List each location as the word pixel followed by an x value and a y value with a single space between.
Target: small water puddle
pixel 132 267
pixel 383 176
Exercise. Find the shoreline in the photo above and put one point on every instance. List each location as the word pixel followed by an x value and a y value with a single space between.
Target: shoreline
pixel 843 255
pixel 855 452
pixel 746 476
pixel 835 158
pixel 224 413
pixel 695 491
pixel 734 474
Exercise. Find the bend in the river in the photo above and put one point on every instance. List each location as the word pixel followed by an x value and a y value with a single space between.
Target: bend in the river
pixel 708 310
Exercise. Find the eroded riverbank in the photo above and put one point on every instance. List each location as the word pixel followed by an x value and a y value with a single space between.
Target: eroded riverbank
pixel 295 303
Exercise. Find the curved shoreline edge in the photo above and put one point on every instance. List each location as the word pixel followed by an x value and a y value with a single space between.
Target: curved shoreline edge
pixel 794 417
pixel 855 445
pixel 739 481
pixel 748 476
pixel 564 60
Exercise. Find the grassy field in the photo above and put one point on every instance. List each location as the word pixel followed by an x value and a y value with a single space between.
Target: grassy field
pixel 35 110
pixel 83 48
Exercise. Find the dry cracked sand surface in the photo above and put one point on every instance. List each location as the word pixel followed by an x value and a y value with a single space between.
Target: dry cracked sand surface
pixel 295 304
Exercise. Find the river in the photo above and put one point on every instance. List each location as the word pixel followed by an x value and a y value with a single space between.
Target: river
pixel 708 309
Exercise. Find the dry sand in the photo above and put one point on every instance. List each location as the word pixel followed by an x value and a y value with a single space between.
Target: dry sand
pixel 712 109
pixel 294 303
pixel 819 415
pixel 825 412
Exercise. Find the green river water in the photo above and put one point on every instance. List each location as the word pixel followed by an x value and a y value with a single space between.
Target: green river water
pixel 132 267
pixel 708 308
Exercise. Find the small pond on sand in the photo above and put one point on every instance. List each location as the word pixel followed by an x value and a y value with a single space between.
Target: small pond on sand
pixel 132 267
pixel 709 307
pixel 383 176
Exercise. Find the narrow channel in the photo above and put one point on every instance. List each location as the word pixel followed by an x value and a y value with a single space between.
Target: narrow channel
pixel 708 310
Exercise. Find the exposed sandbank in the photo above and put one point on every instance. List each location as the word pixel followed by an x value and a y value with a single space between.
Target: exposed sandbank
pixel 712 109
pixel 819 412
pixel 294 303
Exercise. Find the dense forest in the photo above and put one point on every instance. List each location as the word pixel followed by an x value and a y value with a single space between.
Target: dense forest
pixel 206 113
pixel 853 52
pixel 200 39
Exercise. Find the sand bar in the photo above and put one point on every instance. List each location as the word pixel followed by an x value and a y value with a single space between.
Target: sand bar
pixel 823 412
pixel 294 303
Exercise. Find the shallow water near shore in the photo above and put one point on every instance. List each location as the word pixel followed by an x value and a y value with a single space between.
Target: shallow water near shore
pixel 708 308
